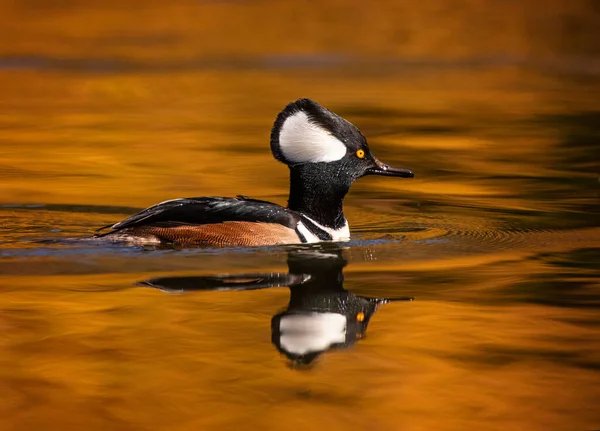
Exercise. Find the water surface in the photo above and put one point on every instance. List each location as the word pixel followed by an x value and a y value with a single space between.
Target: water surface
pixel 497 238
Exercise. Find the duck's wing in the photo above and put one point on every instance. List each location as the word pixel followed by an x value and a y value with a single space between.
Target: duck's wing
pixel 209 210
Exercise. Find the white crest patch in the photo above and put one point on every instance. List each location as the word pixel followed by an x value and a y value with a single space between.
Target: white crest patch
pixel 305 333
pixel 301 141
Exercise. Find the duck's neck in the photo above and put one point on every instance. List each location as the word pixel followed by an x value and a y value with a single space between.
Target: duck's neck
pixel 315 194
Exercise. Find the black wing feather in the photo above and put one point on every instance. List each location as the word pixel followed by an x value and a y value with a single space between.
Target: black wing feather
pixel 206 210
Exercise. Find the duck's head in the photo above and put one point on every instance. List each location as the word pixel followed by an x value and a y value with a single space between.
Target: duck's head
pixel 307 135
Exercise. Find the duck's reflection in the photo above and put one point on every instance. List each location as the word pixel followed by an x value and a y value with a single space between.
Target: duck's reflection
pixel 321 315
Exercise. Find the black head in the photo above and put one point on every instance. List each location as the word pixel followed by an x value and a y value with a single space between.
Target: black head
pixel 307 134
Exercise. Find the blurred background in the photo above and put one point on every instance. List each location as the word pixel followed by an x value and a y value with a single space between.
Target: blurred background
pixel 109 107
pixel 125 103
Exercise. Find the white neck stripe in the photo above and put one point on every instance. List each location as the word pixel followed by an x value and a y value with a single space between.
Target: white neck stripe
pixel 309 237
pixel 340 234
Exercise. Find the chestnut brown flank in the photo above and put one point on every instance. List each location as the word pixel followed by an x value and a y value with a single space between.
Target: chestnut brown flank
pixel 231 233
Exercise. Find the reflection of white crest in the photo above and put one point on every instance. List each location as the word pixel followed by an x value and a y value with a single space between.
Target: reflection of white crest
pixel 315 332
pixel 302 141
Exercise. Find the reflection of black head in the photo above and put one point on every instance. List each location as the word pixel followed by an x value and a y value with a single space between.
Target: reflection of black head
pixel 321 314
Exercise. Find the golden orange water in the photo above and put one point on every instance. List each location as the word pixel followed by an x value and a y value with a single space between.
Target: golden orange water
pixel 112 107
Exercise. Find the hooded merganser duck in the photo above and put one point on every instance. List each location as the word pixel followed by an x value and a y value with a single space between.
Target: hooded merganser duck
pixel 321 314
pixel 325 155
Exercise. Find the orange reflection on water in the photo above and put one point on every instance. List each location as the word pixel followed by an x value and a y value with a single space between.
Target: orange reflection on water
pixel 112 107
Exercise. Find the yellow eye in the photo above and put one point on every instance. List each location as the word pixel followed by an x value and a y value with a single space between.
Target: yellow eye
pixel 360 317
pixel 360 154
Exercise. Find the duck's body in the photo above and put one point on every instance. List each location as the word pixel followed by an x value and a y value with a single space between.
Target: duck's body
pixel 325 154
pixel 225 222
